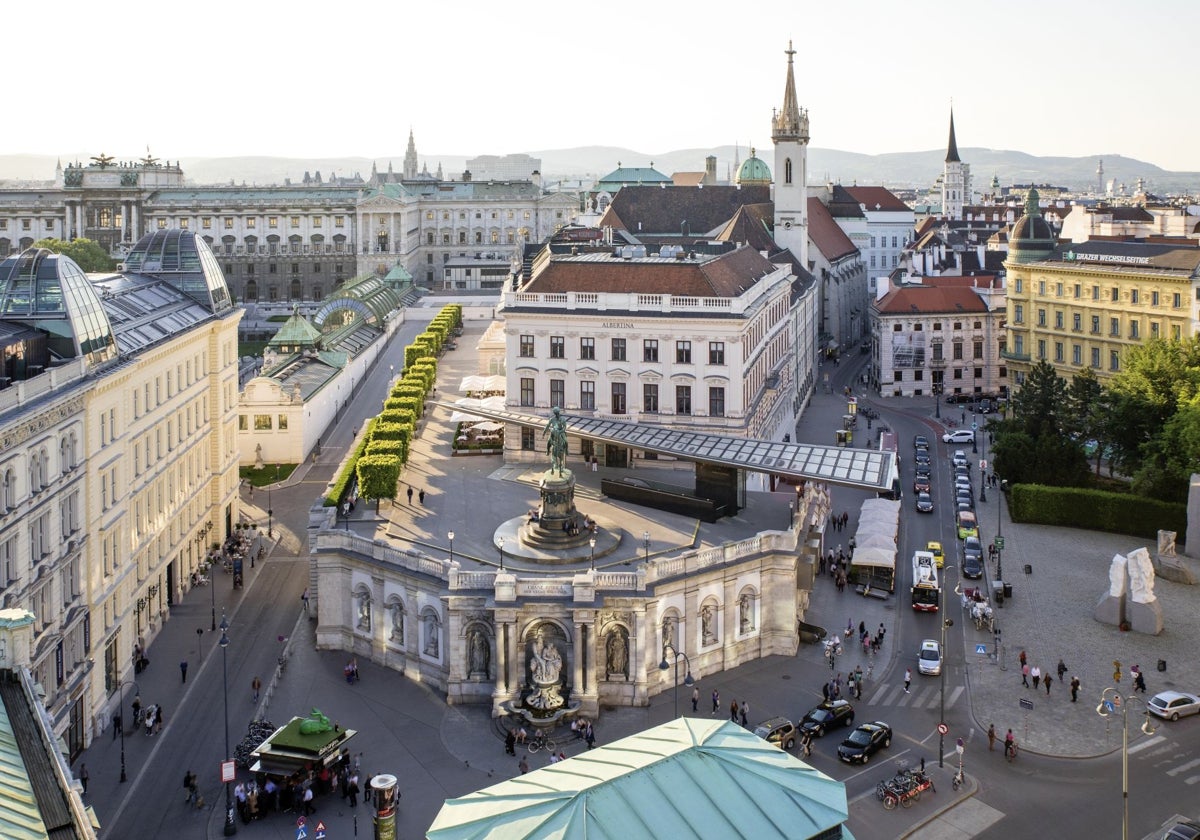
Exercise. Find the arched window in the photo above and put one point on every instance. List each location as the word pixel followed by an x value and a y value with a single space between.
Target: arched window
pixel 251 290
pixel 787 171
pixel 10 489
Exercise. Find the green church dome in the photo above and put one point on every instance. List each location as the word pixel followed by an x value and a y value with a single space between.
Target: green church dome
pixel 753 171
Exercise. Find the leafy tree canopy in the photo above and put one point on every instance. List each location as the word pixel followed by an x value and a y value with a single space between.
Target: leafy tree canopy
pixel 88 253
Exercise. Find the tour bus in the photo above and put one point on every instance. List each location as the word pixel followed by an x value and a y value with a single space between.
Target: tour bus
pixel 925 589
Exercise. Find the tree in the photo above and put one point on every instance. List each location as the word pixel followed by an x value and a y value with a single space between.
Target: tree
pixel 1036 444
pixel 377 477
pixel 1087 415
pixel 87 253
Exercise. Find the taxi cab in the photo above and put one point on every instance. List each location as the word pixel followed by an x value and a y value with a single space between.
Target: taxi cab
pixel 967 525
pixel 935 548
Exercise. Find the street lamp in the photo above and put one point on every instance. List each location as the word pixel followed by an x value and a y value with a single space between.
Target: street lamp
pixel 1110 700
pixel 687 680
pixel 230 825
pixel 500 542
pixel 937 401
pixel 946 622
pixel 450 536
pixel 121 718
pixel 139 607
pixel 646 544
pixel 592 543
pixel 999 526
pixel 974 434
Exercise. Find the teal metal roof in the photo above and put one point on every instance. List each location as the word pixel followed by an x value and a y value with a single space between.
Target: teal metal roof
pixel 687 778
pixel 20 816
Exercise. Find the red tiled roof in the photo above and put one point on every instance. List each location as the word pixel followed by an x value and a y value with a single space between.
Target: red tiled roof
pixel 725 276
pixel 687 179
pixel 826 234
pixel 870 196
pixel 930 300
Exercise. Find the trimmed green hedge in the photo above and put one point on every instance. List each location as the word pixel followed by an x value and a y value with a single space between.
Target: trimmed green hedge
pixel 349 471
pixel 1095 510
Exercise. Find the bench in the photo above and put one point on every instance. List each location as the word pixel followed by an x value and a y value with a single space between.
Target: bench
pixel 872 592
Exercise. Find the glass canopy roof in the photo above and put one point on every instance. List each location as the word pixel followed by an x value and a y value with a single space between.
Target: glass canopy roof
pixel 862 468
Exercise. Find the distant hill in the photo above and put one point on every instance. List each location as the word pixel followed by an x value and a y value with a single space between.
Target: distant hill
pixel 586 163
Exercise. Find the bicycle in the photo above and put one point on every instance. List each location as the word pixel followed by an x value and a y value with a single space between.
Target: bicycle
pixel 541 741
pixel 1010 751
pixel 959 779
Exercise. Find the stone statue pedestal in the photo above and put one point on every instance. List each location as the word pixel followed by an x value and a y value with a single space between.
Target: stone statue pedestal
pixel 1110 610
pixel 1145 618
pixel 1171 567
pixel 551 531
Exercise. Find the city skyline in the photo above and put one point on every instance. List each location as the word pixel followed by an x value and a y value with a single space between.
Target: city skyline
pixel 1037 78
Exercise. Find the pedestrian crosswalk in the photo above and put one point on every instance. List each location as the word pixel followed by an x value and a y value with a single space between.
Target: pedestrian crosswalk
pixel 917 697
pixel 1168 755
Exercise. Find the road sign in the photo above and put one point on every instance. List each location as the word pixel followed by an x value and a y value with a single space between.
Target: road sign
pixel 301 821
pixel 228 771
pixel 943 729
pixel 301 832
pixel 983 464
pixel 1027 705
pixel 974 427
pixel 981 648
pixel 999 543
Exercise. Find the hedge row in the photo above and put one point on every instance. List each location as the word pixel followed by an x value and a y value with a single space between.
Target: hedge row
pixel 1095 510
pixel 342 484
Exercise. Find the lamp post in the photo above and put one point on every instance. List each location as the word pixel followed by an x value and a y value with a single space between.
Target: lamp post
pixel 791 513
pixel 450 536
pixel 500 542
pixel 946 622
pixel 121 714
pixel 1110 701
pixel 999 526
pixel 664 665
pixel 646 544
pixel 974 434
pixel 937 401
pixel 230 825
pixel 592 543
pixel 138 607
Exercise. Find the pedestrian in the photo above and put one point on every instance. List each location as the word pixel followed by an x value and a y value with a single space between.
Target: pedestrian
pixel 1021 657
pixel 304 598
pixel 1074 688
pixel 189 784
pixel 137 708
pixel 308 799
pixel 183 670
pixel 733 710
pixel 695 699
pixel 118 724
pixel 1025 675
pixel 907 679
pixel 991 737
pixel 716 698
pixel 821 566
pixel 510 743
pixel 1062 669
pixel 255 687
pixel 1008 743
pixel 522 735
pixel 421 495
pixel 367 788
pixel 590 737
pixel 744 713
pixel 1046 682
pixel 353 790
pixel 1036 673
pixel 882 633
pixel 410 494
pixel 1139 683
pixel 83 776
pixel 827 691
pixel 523 765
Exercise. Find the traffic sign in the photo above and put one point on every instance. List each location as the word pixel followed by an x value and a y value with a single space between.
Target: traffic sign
pixel 301 832
pixel 999 543
pixel 1027 705
pixel 301 821
pixel 981 648
pixel 974 427
pixel 943 729
pixel 983 463
pixel 228 771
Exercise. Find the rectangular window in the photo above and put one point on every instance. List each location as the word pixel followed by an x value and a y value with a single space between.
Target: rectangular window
pixel 227 223
pixel 1176 332
pixel 977 350
pixel 618 398
pixel 618 349
pixel 957 350
pixel 716 352
pixel 1078 291
pixel 339 221
pixel 1058 289
pixel 272 221
pixel 1095 293
pixel 1076 354
pixel 526 350
pixel 1041 287
pixel 206 222
pixel 295 221
pixel 1116 293
pixel 937 352
pixel 1154 298
pixel 683 352
pixel 1018 314
pixel 1114 326
pixel 262 422
pixel 1096 358
pixel 1058 351
pixel 716 402
pixel 1041 349
pixel 650 398
pixel 243 423
pixel 1020 284
pixel 558 347
pixel 528 439
pixel 1133 296
pixel 527 391
pixel 1077 322
pixel 1041 322
pixel 1095 325
pixel 281 422
pixel 316 221
pixel 683 399
pixel 1135 329
pixel 1176 300
pixel 1114 360
pixel 558 393
pixel 587 396
pixel 1058 320
pixel 650 350
pixel 587 348
pixel 1154 331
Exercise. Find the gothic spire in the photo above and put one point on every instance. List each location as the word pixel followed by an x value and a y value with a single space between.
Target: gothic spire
pixel 790 121
pixel 952 146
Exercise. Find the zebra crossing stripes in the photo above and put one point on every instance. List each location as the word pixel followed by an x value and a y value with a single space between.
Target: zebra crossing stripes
pixel 1149 742
pixel 1170 753
pixel 927 697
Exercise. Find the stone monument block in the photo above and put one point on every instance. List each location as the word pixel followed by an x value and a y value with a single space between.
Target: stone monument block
pixel 1168 564
pixel 1110 609
pixel 1145 617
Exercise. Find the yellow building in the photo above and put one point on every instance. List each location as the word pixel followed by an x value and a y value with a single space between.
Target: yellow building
pixel 1084 304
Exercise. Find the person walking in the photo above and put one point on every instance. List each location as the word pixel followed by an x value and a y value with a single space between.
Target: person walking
pixel 1036 673
pixel 907 679
pixel 695 699
pixel 1062 669
pixel 118 724
pixel 84 776
pixel 716 698
pixel 523 766
pixel 744 714
pixel 409 493
pixel 421 495
pixel 991 737
pixel 733 710
pixel 183 670
pixel 1025 675
pixel 1046 682
pixel 1074 688
pixel 255 688
pixel 590 736
pixel 1021 657
pixel 510 743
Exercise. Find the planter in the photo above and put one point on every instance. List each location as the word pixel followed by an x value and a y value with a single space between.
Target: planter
pixel 479 451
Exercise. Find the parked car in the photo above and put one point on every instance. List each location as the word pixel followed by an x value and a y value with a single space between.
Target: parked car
pixel 958 436
pixel 779 731
pixel 1186 830
pixel 865 741
pixel 924 469
pixel 921 458
pixel 960 458
pixel 924 503
pixel 967 526
pixel 972 565
pixel 929 660
pixel 935 548
pixel 920 442
pixel 922 484
pixel 826 716
pixel 1172 705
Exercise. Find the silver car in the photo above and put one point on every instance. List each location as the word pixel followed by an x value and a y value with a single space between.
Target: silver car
pixel 1172 705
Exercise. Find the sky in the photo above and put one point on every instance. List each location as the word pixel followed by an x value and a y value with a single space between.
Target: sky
pixel 305 80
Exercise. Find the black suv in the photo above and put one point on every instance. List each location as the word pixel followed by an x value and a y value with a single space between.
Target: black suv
pixel 826 716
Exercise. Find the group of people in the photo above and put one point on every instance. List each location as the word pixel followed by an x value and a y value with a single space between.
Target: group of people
pixel 1010 742
pixel 739 713
pixel 350 672
pixel 1033 672
pixel 832 689
pixel 263 794
pixel 837 564
pixel 151 717
pixel 839 520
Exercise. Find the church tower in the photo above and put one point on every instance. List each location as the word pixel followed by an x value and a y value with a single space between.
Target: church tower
pixel 789 132
pixel 956 179
pixel 410 158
